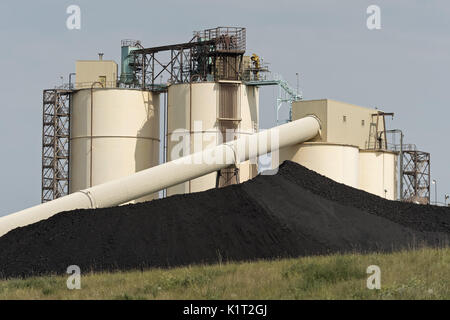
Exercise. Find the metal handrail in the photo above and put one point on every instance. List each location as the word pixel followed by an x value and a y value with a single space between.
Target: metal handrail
pixel 85 85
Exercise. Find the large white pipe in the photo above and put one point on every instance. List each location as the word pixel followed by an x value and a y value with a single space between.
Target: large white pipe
pixel 171 173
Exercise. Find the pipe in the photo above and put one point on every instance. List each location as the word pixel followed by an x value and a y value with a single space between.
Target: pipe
pixel 190 116
pixel 171 173
pixel 70 80
pixel 165 134
pixel 190 121
pixel 400 160
pixel 92 130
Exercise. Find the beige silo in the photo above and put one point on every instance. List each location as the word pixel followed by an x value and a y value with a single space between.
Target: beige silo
pixel 378 173
pixel 339 162
pixel 114 133
pixel 198 114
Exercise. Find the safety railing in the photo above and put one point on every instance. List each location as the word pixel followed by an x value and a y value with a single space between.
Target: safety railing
pixel 87 85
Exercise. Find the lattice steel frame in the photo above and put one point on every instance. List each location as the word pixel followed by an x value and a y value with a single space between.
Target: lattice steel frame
pixel 416 176
pixel 55 144
pixel 217 52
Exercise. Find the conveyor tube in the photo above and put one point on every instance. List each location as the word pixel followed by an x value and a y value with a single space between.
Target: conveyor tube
pixel 171 173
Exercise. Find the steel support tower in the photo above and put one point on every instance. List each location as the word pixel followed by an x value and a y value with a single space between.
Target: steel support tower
pixel 416 176
pixel 55 144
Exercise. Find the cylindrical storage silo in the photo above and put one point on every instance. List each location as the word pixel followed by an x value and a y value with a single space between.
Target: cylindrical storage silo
pixel 199 114
pixel 336 161
pixel 114 133
pixel 378 173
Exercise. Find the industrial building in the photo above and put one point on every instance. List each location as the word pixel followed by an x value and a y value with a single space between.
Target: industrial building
pixel 351 149
pixel 102 132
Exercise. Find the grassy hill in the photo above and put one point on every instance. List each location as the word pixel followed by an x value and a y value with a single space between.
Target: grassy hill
pixel 412 274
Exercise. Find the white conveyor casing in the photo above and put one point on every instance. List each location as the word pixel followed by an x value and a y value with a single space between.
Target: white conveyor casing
pixel 171 173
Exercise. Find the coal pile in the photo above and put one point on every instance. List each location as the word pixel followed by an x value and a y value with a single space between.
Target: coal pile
pixel 296 212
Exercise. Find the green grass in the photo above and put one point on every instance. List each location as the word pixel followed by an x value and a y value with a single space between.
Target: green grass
pixel 412 274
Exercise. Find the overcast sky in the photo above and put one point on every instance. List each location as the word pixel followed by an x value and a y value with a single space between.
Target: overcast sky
pixel 403 68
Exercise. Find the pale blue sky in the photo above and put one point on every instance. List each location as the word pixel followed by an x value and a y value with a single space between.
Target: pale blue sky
pixel 402 68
